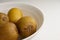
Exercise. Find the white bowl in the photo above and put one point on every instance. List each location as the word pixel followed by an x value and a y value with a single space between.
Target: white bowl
pixel 28 10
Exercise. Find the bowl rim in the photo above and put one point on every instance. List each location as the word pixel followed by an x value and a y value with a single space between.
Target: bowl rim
pixel 30 4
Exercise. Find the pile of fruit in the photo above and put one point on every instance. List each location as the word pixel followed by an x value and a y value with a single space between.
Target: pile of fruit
pixel 14 25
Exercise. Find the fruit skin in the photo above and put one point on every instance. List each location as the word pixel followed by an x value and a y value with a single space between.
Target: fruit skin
pixel 8 32
pixel 26 26
pixel 14 14
pixel 3 18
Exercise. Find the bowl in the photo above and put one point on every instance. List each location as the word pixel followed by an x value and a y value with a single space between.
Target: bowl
pixel 28 10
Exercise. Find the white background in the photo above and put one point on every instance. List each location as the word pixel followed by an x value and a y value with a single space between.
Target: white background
pixel 50 29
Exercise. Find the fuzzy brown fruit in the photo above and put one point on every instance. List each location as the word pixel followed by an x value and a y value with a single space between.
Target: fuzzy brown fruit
pixel 26 26
pixel 3 18
pixel 8 32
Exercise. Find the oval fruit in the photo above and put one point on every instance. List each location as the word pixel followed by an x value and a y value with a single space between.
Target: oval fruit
pixel 26 26
pixel 14 14
pixel 8 32
pixel 3 18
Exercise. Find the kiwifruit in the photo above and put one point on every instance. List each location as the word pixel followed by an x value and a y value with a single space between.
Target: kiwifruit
pixel 26 26
pixel 14 14
pixel 3 18
pixel 8 32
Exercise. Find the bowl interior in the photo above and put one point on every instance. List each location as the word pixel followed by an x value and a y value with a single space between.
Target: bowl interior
pixel 28 10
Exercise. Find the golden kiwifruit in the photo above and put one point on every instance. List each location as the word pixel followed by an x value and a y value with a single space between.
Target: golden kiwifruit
pixel 3 18
pixel 8 32
pixel 14 14
pixel 26 26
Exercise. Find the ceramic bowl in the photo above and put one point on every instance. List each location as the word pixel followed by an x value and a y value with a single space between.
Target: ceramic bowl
pixel 28 10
